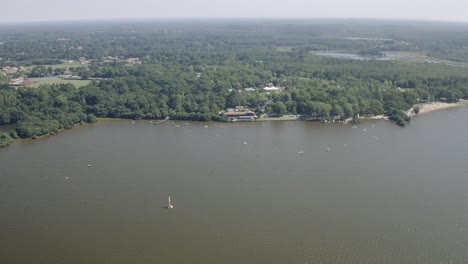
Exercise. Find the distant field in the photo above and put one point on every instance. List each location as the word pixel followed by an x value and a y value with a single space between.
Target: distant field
pixel 77 83
pixel 284 49
pixel 399 56
pixel 68 65
pixel 62 65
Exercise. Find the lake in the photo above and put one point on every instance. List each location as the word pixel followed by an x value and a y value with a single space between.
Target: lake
pixel 388 56
pixel 241 191
pixel 353 56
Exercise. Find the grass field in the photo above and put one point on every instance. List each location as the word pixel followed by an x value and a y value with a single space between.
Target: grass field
pixel 77 83
pixel 63 65
pixel 68 65
pixel 284 49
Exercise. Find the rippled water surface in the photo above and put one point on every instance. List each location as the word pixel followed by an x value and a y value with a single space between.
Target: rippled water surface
pixel 242 193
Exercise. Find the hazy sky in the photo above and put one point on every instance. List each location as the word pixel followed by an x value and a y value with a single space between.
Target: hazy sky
pixel 46 10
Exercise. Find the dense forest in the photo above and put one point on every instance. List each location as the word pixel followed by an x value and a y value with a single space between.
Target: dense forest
pixel 195 70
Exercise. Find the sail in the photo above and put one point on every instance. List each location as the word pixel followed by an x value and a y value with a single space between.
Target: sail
pixel 169 204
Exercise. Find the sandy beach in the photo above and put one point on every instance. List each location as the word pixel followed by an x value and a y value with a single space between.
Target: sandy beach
pixel 434 106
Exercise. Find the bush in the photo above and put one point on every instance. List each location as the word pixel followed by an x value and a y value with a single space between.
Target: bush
pixel 355 120
pixel 400 117
pixel 5 140
pixel 91 118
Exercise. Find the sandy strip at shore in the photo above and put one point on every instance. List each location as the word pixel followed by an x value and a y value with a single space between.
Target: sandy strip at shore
pixel 434 106
pixel 423 108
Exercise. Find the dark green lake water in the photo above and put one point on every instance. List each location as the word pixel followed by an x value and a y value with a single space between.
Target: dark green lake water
pixel 385 195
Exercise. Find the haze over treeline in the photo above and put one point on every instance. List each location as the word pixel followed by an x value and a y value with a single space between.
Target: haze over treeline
pixel 51 10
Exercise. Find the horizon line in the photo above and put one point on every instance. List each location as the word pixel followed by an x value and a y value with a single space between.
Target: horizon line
pixel 147 19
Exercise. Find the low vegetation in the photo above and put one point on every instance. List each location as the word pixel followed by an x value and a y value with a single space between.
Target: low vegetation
pixel 76 83
pixel 5 140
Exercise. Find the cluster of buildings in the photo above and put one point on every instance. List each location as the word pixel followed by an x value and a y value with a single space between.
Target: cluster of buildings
pixel 17 81
pixel 20 81
pixel 269 88
pixel 133 61
pixel 83 60
pixel 240 113
pixel 117 59
pixel 11 69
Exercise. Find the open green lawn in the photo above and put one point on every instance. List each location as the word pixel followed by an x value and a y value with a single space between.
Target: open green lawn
pixel 62 65
pixel 77 83
pixel 68 65
pixel 284 49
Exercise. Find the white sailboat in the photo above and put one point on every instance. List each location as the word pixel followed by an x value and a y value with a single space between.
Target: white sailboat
pixel 169 204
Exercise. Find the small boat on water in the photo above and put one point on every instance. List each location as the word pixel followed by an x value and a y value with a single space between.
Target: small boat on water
pixel 169 204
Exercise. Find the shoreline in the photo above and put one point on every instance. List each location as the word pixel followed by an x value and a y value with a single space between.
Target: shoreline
pixel 435 106
pixel 424 108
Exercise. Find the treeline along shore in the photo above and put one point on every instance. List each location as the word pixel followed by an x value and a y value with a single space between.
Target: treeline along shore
pixel 197 70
